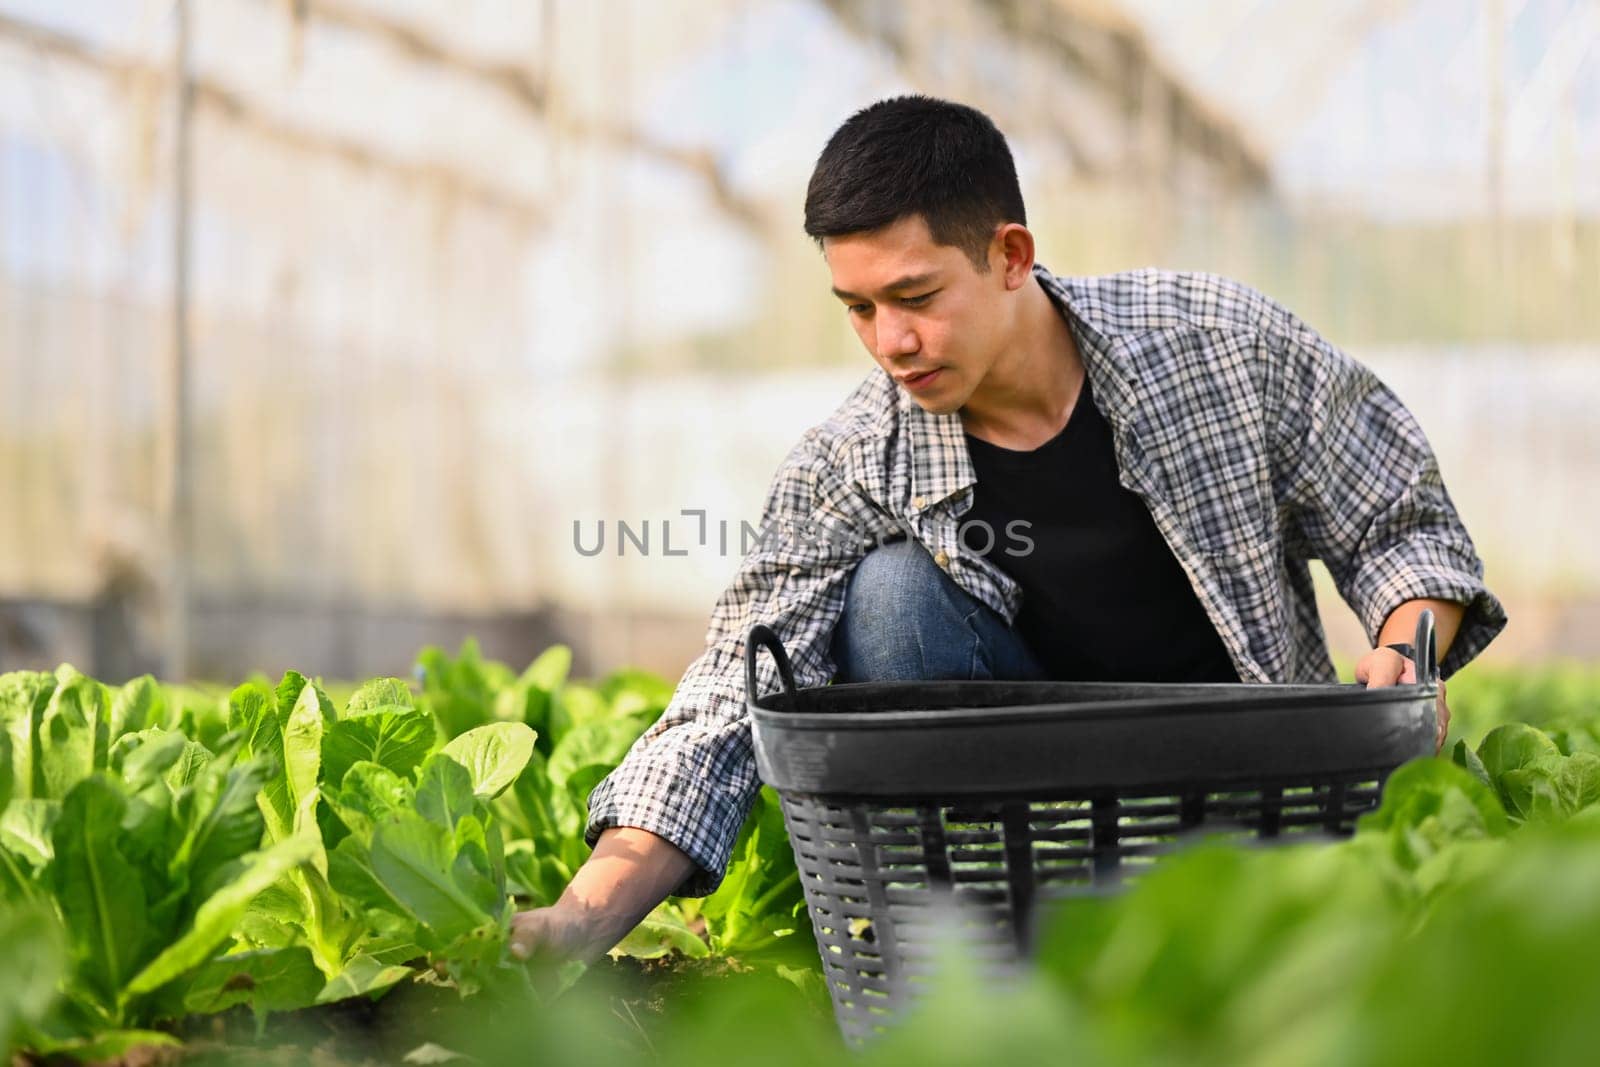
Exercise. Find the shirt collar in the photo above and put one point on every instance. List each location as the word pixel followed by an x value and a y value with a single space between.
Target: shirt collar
pixel 940 463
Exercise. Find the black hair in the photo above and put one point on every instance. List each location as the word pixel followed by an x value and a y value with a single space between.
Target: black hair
pixel 916 155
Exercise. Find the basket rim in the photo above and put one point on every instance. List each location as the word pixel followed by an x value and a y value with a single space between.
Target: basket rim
pixel 1222 699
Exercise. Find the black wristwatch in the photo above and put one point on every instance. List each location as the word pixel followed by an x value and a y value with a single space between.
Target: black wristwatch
pixel 1405 650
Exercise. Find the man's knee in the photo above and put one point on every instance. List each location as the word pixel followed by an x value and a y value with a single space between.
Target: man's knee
pixel 894 603
pixel 896 580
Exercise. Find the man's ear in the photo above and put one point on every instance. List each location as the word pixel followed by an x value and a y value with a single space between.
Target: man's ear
pixel 1012 252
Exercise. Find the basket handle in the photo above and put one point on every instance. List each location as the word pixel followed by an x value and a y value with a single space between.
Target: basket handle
pixel 1427 650
pixel 763 636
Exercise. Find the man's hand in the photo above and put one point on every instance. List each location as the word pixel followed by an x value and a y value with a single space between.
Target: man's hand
pixel 556 933
pixel 630 871
pixel 1384 666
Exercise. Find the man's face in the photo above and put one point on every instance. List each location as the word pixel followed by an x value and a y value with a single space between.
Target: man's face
pixel 922 307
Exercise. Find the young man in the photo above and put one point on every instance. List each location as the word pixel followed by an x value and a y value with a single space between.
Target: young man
pixel 1073 478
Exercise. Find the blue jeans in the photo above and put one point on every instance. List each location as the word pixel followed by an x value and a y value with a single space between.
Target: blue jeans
pixel 905 619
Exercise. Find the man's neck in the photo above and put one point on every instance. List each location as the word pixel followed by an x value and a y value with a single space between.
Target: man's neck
pixel 1029 394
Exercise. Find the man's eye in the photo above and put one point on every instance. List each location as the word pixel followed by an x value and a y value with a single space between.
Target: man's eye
pixel 857 309
pixel 918 301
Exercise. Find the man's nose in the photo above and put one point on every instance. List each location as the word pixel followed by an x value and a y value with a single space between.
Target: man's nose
pixel 895 336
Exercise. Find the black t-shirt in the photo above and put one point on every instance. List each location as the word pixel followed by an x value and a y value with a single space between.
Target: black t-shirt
pixel 1103 597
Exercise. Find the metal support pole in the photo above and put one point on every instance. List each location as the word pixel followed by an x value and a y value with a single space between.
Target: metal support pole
pixel 179 499
pixel 1495 148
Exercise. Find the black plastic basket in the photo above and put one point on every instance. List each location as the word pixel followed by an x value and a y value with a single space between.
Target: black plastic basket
pixel 989 797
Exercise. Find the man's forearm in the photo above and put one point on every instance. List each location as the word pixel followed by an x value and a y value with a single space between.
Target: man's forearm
pixel 1401 625
pixel 628 874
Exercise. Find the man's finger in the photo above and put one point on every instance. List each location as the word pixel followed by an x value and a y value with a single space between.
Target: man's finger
pixel 1442 715
pixel 1382 667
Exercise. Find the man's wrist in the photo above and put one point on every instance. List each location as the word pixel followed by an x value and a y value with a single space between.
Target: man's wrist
pixel 1405 649
pixel 584 932
pixel 1402 623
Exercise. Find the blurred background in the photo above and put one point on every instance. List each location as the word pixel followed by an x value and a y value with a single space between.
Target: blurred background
pixel 332 328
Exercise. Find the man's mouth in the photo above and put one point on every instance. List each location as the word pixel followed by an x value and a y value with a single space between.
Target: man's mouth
pixel 917 381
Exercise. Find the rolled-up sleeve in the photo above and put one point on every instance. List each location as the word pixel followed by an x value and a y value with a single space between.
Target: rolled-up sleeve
pixel 691 778
pixel 1360 489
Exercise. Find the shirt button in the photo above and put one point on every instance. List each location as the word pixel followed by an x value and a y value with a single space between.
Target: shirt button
pixel 918 502
pixel 942 560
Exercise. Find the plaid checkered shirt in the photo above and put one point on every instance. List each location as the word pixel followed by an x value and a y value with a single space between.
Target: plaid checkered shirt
pixel 1255 443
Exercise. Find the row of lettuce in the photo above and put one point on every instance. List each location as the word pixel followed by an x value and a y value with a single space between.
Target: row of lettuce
pixel 169 851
